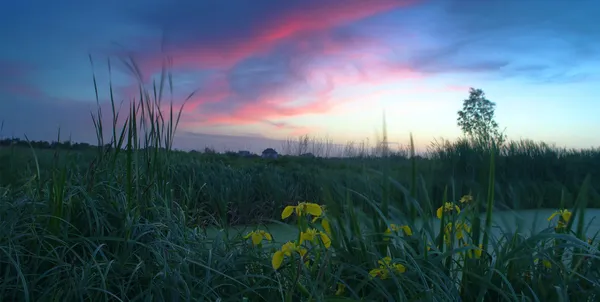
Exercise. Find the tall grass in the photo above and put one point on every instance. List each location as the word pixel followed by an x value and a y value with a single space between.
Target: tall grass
pixel 132 222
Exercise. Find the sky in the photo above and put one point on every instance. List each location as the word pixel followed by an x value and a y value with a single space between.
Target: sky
pixel 263 71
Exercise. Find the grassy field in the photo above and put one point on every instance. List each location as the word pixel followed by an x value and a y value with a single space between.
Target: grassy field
pixel 141 222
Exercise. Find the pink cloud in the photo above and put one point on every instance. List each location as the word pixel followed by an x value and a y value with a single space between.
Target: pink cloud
pixel 216 89
pixel 321 81
pixel 267 109
pixel 318 71
pixel 312 18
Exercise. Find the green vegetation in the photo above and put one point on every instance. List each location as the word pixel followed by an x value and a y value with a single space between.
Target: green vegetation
pixel 134 220
pixel 476 119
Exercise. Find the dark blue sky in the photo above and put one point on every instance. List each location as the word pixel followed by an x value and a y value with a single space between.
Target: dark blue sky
pixel 274 69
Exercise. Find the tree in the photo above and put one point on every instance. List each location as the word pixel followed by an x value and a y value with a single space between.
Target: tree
pixel 476 119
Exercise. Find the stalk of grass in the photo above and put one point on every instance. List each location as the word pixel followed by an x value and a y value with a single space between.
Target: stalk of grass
pixel 38 176
pixel 488 215
pixel 490 197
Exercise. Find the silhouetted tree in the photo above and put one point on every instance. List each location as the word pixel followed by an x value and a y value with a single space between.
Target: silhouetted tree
pixel 476 119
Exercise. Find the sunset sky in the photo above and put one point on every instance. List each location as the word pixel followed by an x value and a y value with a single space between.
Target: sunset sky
pixel 266 70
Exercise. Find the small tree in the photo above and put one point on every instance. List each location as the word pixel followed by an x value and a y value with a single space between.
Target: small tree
pixel 476 119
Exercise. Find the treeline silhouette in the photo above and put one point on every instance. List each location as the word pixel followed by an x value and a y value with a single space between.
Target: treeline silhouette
pixel 64 145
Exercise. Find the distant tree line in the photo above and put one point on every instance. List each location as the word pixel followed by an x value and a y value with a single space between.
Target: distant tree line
pixel 65 145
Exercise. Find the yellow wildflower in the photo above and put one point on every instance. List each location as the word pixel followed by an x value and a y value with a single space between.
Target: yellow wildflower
pixel 459 231
pixel 381 273
pixel 258 236
pixel 475 253
pixel 466 199
pixel 385 261
pixel 396 228
pixel 341 288
pixel 303 208
pixel 448 207
pixel 385 265
pixel 312 235
pixel 399 268
pixel 564 215
pixel 546 263
pixel 286 250
pixel 324 224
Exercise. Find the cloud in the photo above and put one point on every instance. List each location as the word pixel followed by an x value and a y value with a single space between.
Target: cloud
pixel 273 87
pixel 265 62
pixel 245 29
pixel 530 40
pixel 260 61
pixel 296 77
pixel 290 59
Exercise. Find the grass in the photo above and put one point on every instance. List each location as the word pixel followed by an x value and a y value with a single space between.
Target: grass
pixel 134 220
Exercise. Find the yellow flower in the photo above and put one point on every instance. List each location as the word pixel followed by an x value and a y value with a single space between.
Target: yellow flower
pixel 476 253
pixel 286 250
pixel 312 235
pixel 340 289
pixel 385 261
pixel 277 259
pixel 303 208
pixel 564 215
pixel 448 207
pixel 258 236
pixel 460 229
pixel 380 273
pixel 394 227
pixel 546 263
pixel 466 199
pixel 399 268
pixel 324 224
pixel 385 264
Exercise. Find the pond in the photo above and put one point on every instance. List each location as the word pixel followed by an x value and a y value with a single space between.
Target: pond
pixel 523 221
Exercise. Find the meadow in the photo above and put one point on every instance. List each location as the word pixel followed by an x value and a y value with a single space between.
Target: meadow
pixel 134 220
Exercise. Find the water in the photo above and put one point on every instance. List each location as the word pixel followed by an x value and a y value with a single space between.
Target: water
pixel 526 222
